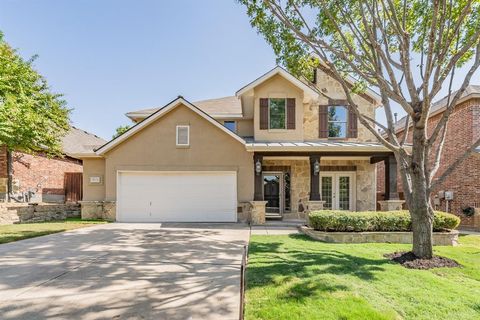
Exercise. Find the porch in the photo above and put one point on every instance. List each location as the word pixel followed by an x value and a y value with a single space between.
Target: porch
pixel 290 184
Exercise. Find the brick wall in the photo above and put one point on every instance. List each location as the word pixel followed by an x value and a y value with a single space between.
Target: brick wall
pixel 38 172
pixel 3 162
pixel 463 130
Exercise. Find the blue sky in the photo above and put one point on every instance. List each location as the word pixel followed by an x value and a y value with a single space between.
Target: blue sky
pixel 109 57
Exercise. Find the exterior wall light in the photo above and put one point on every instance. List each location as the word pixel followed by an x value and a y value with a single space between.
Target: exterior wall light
pixel 258 167
pixel 316 168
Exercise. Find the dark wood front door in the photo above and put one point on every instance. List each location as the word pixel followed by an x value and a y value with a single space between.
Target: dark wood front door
pixel 272 185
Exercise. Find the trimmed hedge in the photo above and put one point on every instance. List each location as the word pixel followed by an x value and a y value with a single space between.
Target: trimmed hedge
pixel 332 220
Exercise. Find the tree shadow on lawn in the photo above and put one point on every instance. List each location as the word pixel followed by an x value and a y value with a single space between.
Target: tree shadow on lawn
pixel 276 263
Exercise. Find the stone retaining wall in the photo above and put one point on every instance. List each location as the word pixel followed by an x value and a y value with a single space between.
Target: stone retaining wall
pixel 24 213
pixel 439 238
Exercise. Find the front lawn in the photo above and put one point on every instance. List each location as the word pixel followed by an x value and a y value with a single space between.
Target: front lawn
pixel 294 277
pixel 14 232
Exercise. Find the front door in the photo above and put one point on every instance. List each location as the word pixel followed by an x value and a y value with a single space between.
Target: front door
pixel 272 191
pixel 337 190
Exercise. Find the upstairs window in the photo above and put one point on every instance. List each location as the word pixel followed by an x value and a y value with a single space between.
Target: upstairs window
pixel 337 121
pixel 183 136
pixel 277 113
pixel 230 125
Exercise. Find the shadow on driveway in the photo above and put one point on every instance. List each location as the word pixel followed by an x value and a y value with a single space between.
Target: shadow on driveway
pixel 125 271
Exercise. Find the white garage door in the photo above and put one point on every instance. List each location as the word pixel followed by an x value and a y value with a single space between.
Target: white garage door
pixel 177 196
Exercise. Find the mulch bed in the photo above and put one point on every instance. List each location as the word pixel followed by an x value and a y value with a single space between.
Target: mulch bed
pixel 411 261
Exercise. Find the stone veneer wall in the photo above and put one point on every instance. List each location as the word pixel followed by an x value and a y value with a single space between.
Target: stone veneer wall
pixel 105 210
pixel 300 181
pixel 244 212
pixel 439 238
pixel 334 90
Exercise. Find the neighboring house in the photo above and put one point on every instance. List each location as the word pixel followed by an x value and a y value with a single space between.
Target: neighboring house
pixel 463 131
pixel 276 148
pixel 38 178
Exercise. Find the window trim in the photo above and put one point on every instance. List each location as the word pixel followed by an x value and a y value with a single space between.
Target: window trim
pixel 346 120
pixel 188 136
pixel 285 108
pixel 234 122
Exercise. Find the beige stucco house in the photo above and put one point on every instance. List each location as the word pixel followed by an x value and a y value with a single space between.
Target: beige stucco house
pixel 274 150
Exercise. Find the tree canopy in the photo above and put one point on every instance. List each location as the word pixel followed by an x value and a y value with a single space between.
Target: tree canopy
pixel 32 118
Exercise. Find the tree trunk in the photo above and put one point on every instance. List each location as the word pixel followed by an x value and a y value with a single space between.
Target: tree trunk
pixel 421 214
pixel 419 204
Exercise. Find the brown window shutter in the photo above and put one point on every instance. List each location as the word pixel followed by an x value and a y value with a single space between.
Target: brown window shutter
pixel 291 113
pixel 263 113
pixel 352 124
pixel 323 121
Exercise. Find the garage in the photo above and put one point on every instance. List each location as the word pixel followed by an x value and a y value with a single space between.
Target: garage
pixel 157 196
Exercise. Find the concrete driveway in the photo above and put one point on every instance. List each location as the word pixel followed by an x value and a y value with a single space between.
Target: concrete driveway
pixel 125 271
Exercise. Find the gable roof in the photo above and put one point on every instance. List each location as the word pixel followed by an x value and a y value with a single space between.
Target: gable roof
pixel 285 74
pixel 471 91
pixel 158 114
pixel 302 85
pixel 78 142
pixel 226 107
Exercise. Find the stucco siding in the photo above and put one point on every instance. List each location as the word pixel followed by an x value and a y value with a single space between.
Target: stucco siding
pixel 278 87
pixel 154 149
pixel 93 167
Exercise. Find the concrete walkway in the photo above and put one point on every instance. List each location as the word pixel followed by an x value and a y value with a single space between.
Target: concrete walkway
pixel 273 230
pixel 125 271
pixel 475 233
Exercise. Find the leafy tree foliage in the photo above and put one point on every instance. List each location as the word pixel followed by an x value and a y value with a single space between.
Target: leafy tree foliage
pixel 32 118
pixel 120 130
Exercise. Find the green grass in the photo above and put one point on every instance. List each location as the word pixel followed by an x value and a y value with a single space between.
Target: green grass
pixel 15 232
pixel 294 277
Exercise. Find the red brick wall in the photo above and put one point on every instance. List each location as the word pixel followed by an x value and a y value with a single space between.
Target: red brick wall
pixel 3 162
pixel 32 170
pixel 463 130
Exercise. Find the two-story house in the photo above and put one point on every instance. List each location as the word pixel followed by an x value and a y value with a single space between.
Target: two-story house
pixel 275 149
pixel 460 192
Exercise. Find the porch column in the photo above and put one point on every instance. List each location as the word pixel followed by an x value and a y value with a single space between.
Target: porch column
pixel 391 192
pixel 314 179
pixel 392 201
pixel 258 185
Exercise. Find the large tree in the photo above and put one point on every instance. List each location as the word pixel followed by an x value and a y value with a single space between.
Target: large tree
pixel 406 51
pixel 32 118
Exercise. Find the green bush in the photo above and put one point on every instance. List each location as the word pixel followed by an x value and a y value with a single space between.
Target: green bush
pixel 445 221
pixel 332 220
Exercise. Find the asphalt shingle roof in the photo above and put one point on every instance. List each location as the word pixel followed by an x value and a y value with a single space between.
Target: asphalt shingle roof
pixel 80 141
pixel 226 106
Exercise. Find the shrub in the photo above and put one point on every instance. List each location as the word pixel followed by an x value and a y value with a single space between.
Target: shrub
pixel 333 220
pixel 445 221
